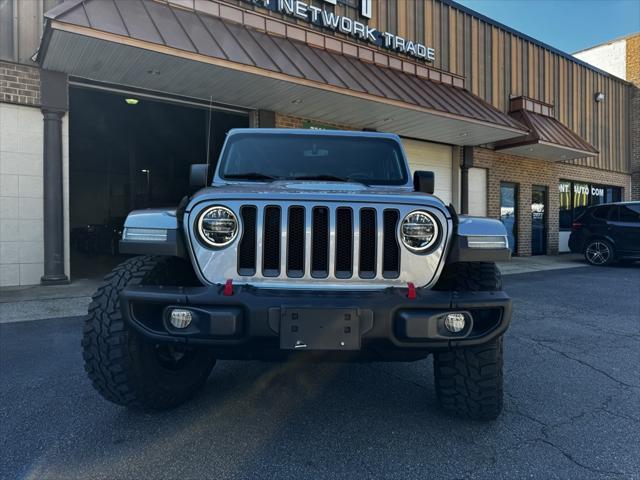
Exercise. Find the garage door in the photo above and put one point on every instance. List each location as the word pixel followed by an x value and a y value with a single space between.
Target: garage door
pixel 434 157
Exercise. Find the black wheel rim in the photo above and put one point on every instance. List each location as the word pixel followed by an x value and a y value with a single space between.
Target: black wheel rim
pixel 598 253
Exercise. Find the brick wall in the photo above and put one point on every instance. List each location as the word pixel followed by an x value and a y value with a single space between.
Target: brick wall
pixel 527 172
pixel 633 75
pixel 288 121
pixel 19 84
pixel 633 59
pixel 635 142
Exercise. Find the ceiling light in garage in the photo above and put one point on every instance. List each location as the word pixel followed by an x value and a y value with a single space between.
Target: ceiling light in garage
pixel 131 101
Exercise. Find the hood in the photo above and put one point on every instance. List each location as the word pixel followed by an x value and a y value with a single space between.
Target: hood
pixel 312 191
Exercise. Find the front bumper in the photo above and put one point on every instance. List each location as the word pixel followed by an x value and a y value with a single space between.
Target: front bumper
pixel 257 322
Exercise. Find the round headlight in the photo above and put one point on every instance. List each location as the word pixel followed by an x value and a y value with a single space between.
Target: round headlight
pixel 418 231
pixel 218 226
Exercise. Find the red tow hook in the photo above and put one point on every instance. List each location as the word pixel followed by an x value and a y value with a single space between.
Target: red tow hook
pixel 411 293
pixel 228 288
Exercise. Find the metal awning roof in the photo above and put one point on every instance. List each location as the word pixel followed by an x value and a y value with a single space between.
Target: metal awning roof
pixel 548 139
pixel 157 46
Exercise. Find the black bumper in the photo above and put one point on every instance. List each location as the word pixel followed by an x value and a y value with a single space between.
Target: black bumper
pixel 256 323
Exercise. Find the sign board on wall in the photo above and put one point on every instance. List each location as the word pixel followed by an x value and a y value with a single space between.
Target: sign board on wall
pixel 320 16
pixel 308 124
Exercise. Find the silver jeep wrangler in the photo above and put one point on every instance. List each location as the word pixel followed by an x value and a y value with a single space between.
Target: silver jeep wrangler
pixel 310 245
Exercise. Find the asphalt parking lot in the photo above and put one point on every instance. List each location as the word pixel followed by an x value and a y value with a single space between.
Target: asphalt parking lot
pixel 572 373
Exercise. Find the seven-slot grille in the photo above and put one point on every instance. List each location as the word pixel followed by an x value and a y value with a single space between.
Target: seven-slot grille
pixel 319 241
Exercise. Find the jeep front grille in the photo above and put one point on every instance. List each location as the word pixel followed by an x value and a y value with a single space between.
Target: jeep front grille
pixel 319 241
pixel 247 261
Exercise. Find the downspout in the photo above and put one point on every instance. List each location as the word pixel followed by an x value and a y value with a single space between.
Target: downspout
pixel 16 50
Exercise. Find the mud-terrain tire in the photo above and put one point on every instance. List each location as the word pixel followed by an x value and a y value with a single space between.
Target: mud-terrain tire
pixel 470 277
pixel 469 380
pixel 126 368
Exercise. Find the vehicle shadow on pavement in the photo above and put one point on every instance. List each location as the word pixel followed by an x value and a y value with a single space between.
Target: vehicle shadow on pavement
pixel 299 417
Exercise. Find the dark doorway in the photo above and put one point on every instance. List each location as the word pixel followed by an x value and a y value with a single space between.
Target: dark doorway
pixel 509 212
pixel 538 220
pixel 127 153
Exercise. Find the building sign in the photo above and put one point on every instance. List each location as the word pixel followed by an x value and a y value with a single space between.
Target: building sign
pixel 316 126
pixel 349 26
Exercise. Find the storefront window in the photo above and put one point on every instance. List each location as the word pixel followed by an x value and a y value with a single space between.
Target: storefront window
pixel 509 212
pixel 575 197
pixel 597 195
pixel 566 213
pixel 612 194
pixel 580 198
pixel 538 220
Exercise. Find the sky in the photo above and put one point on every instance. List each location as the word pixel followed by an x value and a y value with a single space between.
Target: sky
pixel 568 25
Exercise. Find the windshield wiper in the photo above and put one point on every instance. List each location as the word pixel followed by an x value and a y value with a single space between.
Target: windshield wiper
pixel 329 178
pixel 251 176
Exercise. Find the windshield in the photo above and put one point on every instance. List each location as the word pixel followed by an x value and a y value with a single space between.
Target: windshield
pixel 265 157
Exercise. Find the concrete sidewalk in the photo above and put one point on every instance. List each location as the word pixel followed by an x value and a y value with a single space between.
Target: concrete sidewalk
pixel 19 304
pixel 35 302
pixel 541 263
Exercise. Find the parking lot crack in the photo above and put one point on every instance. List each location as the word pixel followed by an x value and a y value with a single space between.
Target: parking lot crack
pixel 546 346
pixel 516 411
pixel 569 457
pixel 621 415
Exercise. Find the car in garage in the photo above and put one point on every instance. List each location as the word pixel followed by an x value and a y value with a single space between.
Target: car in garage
pixel 99 238
pixel 607 233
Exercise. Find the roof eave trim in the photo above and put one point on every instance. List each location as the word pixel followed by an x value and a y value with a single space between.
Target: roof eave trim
pixel 526 143
pixel 587 153
pixel 167 50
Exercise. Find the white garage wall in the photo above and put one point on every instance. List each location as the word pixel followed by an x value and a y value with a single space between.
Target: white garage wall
pixel 21 232
pixel 478 192
pixel 435 157
pixel 21 194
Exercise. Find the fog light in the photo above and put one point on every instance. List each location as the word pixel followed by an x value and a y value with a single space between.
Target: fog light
pixel 181 318
pixel 455 322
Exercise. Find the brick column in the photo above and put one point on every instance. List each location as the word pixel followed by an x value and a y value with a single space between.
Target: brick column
pixel 553 217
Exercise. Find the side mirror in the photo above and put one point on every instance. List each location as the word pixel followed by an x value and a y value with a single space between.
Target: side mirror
pixel 424 181
pixel 198 175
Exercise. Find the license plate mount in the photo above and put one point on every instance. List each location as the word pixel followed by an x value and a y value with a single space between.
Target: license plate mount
pixel 303 328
